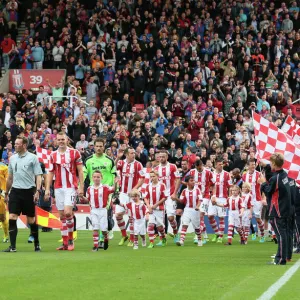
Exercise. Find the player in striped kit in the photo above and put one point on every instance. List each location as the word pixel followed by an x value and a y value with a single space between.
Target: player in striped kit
pixel 65 163
pixel 146 172
pixel 222 182
pixel 98 196
pixel 169 175
pixel 137 211
pixel 203 180
pixel 235 212
pixel 191 197
pixel 247 216
pixel 154 200
pixel 252 176
pixel 132 177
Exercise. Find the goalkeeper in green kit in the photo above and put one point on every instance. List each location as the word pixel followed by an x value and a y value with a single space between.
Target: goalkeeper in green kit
pixel 100 161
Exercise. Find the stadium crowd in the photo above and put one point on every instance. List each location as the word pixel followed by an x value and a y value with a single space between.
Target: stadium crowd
pixel 181 76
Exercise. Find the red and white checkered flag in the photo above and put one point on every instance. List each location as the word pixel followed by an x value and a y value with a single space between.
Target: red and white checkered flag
pixel 270 139
pixel 291 128
pixel 44 157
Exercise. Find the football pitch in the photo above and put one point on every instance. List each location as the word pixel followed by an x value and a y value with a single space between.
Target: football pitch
pixel 190 272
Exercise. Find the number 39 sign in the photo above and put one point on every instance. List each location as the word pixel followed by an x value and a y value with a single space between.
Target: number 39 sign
pixel 32 79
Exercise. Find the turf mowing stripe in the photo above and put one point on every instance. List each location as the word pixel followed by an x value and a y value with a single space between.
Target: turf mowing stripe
pixel 274 288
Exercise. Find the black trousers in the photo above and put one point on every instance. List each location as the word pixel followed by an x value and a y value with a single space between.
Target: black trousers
pixel 297 232
pixel 281 229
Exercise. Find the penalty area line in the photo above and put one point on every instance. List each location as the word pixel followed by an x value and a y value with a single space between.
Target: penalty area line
pixel 275 287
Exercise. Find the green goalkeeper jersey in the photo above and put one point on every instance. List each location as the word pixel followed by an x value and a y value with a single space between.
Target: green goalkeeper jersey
pixel 104 164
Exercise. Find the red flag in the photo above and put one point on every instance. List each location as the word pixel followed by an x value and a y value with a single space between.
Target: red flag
pixel 291 128
pixel 270 139
pixel 44 157
pixel 46 219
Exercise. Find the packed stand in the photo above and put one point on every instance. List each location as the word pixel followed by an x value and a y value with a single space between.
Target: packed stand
pixel 198 70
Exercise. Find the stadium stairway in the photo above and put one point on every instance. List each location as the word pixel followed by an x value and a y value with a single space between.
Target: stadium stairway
pixel 21 30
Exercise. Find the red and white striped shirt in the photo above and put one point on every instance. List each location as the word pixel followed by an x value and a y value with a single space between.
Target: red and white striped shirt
pixel 234 203
pixel 247 200
pixel 130 174
pixel 155 193
pixel 168 175
pixel 222 182
pixel 255 186
pixel 98 196
pixel 203 180
pixel 146 172
pixel 64 166
pixel 191 198
pixel 136 211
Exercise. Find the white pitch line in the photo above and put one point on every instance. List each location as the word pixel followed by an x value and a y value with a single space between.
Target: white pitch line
pixel 274 288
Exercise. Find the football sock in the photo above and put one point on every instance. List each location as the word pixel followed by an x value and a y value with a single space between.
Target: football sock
pixel 70 226
pixel 230 231
pixel 261 227
pixel 241 233
pixel 131 230
pixel 178 218
pixel 213 224
pixel 221 227
pixel 106 237
pixel 13 231
pixel 162 231
pixel 246 232
pixel 198 233
pixel 166 223
pixel 64 231
pixel 202 225
pixel 95 238
pixel 252 228
pixel 151 232
pixel 183 233
pixel 35 233
pixel 136 240
pixel 75 223
pixel 121 224
pixel 174 226
pixel 5 227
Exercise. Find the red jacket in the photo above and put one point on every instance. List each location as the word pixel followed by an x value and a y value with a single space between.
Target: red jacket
pixel 194 127
pixel 292 107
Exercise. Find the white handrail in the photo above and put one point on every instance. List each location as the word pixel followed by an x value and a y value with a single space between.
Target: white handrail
pixel 296 101
pixel 50 97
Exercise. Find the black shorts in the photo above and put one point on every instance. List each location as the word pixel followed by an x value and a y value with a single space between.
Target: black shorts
pixel 21 201
pixel 179 205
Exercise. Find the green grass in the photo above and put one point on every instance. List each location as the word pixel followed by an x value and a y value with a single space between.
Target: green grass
pixel 190 272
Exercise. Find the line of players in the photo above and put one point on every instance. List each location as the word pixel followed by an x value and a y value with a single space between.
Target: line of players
pixel 161 185
pixel 159 190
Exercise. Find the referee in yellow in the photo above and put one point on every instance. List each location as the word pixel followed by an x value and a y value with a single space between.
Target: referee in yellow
pixel 22 191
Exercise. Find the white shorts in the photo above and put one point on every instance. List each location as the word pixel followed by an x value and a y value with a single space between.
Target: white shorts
pixel 204 205
pixel 65 197
pixel 157 217
pixel 257 208
pixel 170 207
pixel 234 218
pixel 190 215
pixel 245 219
pixel 139 227
pixel 124 199
pixel 99 219
pixel 214 210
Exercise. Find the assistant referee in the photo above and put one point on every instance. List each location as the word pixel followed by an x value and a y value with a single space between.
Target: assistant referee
pixel 22 191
